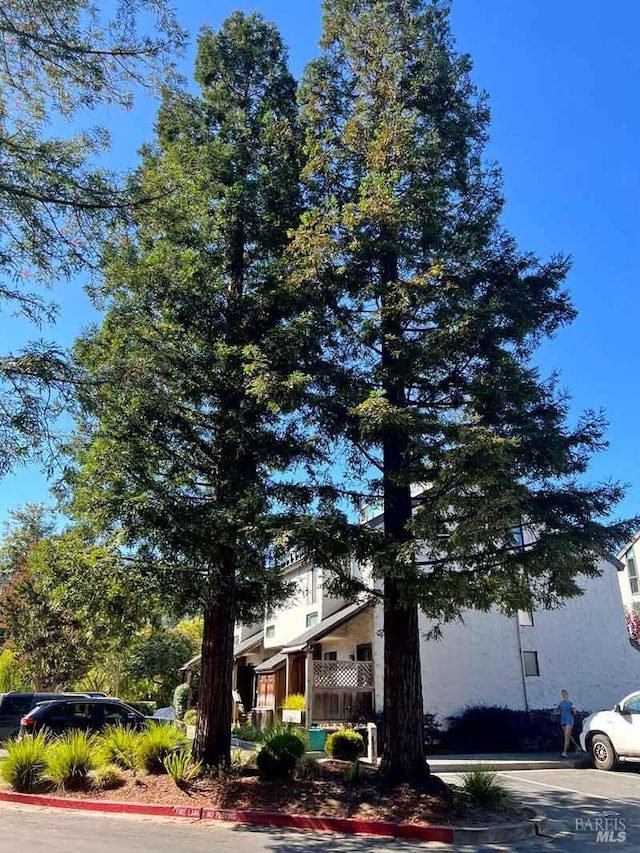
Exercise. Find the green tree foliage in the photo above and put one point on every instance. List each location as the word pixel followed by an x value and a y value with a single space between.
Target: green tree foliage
pixel 60 60
pixel 432 315
pixel 152 664
pixel 25 527
pixel 71 601
pixel 195 368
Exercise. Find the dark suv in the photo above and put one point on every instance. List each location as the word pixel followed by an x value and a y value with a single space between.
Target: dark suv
pixel 13 706
pixel 87 714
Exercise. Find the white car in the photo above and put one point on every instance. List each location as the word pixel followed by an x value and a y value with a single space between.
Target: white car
pixel 613 736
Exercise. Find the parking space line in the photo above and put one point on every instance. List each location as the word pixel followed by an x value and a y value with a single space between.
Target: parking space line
pixel 614 799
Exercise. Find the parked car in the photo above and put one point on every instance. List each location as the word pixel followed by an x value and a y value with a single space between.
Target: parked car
pixel 13 706
pixel 613 736
pixel 87 714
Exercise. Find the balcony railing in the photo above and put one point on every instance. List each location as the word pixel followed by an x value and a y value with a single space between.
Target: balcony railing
pixel 342 675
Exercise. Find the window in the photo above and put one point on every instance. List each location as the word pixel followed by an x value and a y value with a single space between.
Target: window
pixel 312 619
pixel 364 652
pixel 270 632
pixel 116 714
pixel 331 655
pixel 530 661
pixel 632 571
pixel 632 706
pixel 525 618
pixel 312 585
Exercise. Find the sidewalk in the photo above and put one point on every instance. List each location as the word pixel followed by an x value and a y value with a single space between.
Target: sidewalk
pixel 507 761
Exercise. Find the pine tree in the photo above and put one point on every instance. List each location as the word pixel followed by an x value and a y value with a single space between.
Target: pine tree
pixel 431 316
pixel 60 60
pixel 194 368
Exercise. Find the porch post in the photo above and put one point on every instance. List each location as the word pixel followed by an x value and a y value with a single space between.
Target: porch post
pixel 287 675
pixel 308 693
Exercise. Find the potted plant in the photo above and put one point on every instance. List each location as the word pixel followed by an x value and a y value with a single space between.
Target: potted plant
pixel 293 709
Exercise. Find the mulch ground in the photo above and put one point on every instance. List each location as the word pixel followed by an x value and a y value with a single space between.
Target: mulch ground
pixel 329 796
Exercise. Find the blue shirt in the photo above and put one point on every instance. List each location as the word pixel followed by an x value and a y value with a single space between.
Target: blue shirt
pixel 566 712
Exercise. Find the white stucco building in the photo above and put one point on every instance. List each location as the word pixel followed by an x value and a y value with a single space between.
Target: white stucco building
pixel 332 652
pixel 629 578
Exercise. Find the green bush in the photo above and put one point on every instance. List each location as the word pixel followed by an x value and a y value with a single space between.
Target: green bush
pixel 181 768
pixel 180 700
pixel 308 768
pixel 106 777
pixel 488 728
pixel 485 790
pixel 345 745
pixel 70 758
pixel 146 708
pixel 191 717
pixel 247 732
pixel 157 742
pixel 26 764
pixel 118 745
pixel 279 756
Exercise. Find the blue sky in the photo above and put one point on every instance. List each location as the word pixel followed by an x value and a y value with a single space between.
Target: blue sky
pixel 562 79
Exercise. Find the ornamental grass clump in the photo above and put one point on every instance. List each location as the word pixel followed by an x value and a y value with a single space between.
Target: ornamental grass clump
pixel 345 745
pixel 181 768
pixel 156 743
pixel 118 745
pixel 25 766
pixel 107 777
pixel 484 789
pixel 70 758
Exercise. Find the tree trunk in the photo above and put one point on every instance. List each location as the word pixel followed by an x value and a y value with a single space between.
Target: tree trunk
pixel 212 743
pixel 403 757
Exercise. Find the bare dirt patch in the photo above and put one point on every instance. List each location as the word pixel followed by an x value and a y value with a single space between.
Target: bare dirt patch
pixel 329 796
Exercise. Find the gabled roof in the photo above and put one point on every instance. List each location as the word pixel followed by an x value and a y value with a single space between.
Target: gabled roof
pixel 241 649
pixel 317 632
pixel 272 663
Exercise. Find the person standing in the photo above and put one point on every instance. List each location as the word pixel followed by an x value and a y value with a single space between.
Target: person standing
pixel 566 710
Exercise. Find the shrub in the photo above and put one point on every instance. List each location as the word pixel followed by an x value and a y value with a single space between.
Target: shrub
pixel 70 758
pixel 279 756
pixel 180 700
pixel 308 768
pixel 156 743
pixel 118 745
pixel 180 767
pixel 25 766
pixel 345 745
pixel 11 677
pixel 191 716
pixel 494 729
pixel 294 702
pixel 146 708
pixel 485 790
pixel 247 733
pixel 106 777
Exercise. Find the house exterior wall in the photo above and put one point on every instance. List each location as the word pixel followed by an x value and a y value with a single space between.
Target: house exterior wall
pixel 291 620
pixel 582 647
pixel 630 598
pixel 358 631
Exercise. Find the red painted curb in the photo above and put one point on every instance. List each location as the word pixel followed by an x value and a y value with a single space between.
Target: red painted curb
pixel 112 806
pixel 348 826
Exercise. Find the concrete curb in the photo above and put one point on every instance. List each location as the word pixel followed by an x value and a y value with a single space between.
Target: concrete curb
pixel 347 826
pixel 438 767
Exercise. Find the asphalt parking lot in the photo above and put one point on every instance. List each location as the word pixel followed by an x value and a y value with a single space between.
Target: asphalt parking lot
pixel 579 803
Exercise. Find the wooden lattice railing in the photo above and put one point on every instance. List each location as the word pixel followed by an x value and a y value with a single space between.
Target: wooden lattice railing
pixel 342 675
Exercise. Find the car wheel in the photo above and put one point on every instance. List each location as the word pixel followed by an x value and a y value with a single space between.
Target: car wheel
pixel 602 752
